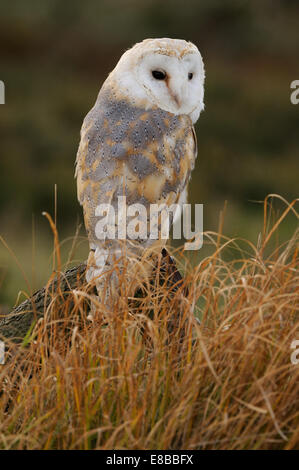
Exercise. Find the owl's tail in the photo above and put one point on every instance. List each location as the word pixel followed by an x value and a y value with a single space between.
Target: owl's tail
pixel 121 271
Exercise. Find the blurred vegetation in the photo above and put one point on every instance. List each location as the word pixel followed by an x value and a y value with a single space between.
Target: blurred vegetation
pixel 54 57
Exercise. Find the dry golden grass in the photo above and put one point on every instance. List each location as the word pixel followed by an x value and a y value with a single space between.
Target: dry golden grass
pixel 228 384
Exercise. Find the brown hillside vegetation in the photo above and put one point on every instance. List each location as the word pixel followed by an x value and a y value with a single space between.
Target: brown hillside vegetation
pixel 128 382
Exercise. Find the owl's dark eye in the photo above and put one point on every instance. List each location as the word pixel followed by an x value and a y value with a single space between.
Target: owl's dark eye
pixel 159 74
pixel 190 75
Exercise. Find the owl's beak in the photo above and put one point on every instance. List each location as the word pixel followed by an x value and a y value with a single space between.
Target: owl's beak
pixel 176 99
pixel 176 91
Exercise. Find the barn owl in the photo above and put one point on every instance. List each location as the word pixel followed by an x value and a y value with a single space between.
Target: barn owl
pixel 138 140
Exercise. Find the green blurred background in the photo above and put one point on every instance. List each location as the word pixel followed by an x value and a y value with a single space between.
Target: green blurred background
pixel 54 56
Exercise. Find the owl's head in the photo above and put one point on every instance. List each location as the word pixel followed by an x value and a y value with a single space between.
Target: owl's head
pixel 168 73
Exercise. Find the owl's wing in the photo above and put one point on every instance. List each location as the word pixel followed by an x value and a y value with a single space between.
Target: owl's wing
pixel 80 159
pixel 81 166
pixel 195 148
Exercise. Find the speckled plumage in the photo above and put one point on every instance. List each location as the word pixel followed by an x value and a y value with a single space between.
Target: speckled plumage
pixel 131 147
